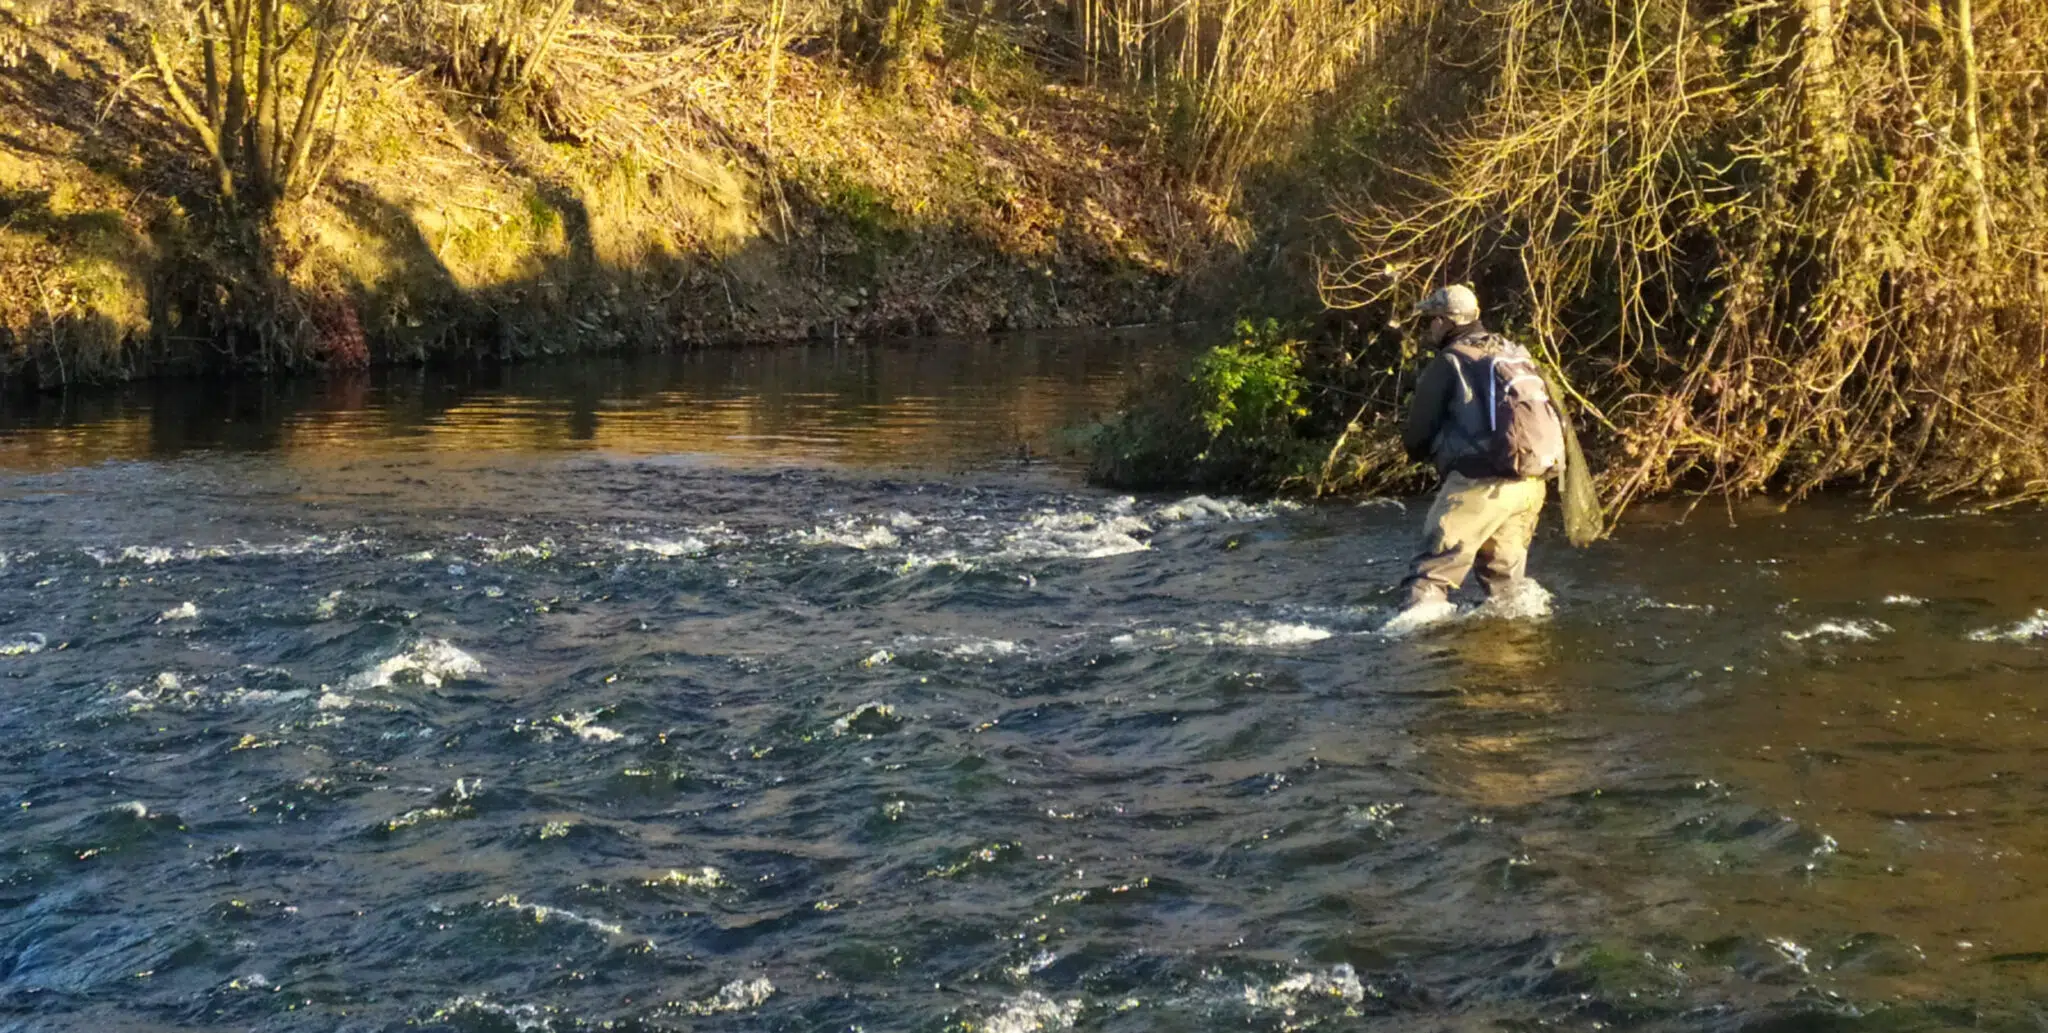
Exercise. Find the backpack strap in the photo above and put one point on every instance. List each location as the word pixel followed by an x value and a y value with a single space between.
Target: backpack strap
pixel 1475 352
pixel 1492 394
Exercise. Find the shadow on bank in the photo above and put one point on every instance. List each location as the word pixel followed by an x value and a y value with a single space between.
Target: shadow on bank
pixel 359 276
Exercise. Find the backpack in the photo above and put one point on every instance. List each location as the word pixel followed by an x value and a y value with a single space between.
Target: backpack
pixel 1527 430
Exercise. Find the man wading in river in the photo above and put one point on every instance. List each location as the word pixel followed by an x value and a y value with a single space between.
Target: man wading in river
pixel 1484 415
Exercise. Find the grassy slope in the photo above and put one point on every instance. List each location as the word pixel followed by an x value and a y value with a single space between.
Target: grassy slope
pixel 651 203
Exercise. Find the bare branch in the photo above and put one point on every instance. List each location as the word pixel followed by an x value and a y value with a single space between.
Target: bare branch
pixel 200 125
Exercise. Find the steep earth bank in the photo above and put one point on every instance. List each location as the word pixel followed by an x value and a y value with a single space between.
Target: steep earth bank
pixel 671 187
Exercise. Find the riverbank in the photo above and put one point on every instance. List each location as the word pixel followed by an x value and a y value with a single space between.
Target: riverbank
pixel 1835 306
pixel 675 188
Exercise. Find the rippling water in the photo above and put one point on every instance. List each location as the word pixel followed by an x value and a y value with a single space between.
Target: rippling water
pixel 397 729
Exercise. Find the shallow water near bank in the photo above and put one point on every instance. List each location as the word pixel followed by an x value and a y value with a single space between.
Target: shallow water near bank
pixel 812 690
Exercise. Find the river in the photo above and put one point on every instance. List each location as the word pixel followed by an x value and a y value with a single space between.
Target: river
pixel 813 689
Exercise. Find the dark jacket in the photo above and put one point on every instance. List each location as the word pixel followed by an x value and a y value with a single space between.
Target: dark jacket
pixel 1447 421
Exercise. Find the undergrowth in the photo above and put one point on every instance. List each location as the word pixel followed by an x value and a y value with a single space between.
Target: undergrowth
pixel 1276 407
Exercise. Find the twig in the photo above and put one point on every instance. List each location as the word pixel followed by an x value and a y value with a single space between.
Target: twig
pixel 50 324
pixel 947 281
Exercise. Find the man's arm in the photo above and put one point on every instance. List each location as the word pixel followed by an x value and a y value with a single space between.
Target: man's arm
pixel 1426 412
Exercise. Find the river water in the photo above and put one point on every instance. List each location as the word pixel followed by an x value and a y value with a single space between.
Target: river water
pixel 814 690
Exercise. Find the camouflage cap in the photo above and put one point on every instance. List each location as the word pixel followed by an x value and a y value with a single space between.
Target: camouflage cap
pixel 1456 303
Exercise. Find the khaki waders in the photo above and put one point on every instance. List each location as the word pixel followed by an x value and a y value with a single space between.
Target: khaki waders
pixel 1483 521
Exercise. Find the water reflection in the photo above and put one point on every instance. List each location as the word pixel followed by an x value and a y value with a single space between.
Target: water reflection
pixel 937 402
pixel 1502 738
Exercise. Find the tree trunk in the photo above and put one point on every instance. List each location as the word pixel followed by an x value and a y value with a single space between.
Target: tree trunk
pixel 234 117
pixel 202 124
pixel 328 55
pixel 1973 138
pixel 273 48
pixel 263 127
pixel 1826 114
pixel 775 17
pixel 553 29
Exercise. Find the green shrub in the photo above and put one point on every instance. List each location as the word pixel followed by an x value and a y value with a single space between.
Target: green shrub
pixel 1250 389
pixel 1228 421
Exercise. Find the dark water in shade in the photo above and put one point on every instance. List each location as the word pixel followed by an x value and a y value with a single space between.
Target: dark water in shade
pixel 791 691
pixel 936 405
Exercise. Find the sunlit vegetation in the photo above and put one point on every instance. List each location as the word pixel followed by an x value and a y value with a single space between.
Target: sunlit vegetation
pixel 267 70
pixel 516 178
pixel 1781 245
pixel 1775 245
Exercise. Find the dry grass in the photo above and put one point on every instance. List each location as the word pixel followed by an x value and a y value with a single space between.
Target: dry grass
pixel 75 254
pixel 691 180
pixel 1232 84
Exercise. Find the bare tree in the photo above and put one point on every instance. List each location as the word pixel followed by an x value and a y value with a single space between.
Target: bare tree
pixel 1235 79
pixel 1787 243
pixel 1970 101
pixel 888 36
pixel 496 49
pixel 268 69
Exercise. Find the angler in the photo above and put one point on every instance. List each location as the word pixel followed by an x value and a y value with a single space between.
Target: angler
pixel 1485 416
